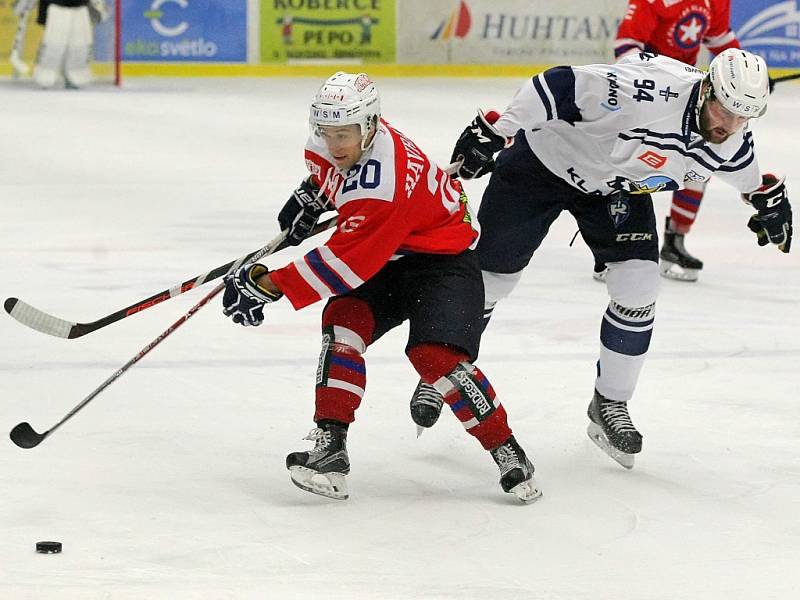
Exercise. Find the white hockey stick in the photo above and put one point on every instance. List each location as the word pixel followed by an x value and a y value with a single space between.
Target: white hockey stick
pixel 22 10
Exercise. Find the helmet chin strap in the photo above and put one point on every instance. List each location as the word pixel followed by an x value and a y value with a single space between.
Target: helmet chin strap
pixel 370 134
pixel 706 91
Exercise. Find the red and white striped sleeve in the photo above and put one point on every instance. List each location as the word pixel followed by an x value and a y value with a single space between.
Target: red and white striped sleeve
pixel 368 234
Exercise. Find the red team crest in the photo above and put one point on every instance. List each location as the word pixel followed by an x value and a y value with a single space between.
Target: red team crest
pixel 676 28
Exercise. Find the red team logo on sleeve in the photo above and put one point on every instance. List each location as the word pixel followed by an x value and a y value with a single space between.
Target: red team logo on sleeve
pixel 651 159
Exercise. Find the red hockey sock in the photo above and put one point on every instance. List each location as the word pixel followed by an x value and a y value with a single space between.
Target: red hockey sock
pixel 347 328
pixel 465 389
pixel 685 204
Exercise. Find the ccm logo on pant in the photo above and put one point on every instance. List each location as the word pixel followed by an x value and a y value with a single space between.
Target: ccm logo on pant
pixel 634 237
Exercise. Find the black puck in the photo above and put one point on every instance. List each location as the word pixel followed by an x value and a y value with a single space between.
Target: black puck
pixel 48 547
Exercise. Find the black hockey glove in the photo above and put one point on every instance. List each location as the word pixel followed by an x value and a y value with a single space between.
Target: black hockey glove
pixel 302 211
pixel 476 147
pixel 773 222
pixel 244 299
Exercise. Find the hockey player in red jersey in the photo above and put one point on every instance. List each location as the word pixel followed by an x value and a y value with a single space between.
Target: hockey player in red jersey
pixel 402 251
pixel 676 28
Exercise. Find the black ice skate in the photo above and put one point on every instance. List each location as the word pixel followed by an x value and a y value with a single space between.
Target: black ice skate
pixel 676 262
pixel 322 470
pixel 610 427
pixel 516 471
pixel 426 406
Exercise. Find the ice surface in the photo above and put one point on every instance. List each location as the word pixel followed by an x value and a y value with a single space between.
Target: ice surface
pixel 171 484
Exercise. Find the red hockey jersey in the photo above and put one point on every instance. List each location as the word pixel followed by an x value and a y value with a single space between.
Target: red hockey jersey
pixel 393 202
pixel 676 28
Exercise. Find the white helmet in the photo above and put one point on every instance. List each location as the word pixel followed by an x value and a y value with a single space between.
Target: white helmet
pixel 740 82
pixel 347 99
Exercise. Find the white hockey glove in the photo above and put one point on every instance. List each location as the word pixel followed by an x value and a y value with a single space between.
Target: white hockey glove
pixel 773 221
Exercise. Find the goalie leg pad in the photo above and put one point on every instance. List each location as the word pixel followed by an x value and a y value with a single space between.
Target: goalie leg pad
pixel 53 48
pixel 347 324
pixel 627 327
pixel 79 49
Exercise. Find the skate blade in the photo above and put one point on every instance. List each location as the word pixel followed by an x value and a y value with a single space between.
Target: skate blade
pixel 330 485
pixel 527 491
pixel 596 434
pixel 673 271
pixel 420 430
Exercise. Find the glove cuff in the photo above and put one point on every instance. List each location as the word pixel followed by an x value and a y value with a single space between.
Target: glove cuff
pixel 253 273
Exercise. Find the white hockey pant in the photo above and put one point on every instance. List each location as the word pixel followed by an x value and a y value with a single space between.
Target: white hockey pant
pixel 66 47
pixel 496 287
pixel 626 327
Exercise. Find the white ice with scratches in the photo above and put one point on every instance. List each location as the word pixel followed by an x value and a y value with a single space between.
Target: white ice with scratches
pixel 171 484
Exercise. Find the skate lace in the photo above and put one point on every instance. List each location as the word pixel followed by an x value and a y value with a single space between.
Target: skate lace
pixel 427 395
pixel 507 459
pixel 321 439
pixel 616 415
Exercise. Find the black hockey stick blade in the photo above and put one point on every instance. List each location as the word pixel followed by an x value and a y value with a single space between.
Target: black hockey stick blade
pixel 786 78
pixel 24 436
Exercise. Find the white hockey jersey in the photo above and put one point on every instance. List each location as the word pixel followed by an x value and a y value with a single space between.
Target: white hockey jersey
pixel 630 125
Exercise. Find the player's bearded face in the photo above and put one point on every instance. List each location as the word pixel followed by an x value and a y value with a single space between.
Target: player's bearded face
pixel 344 144
pixel 717 123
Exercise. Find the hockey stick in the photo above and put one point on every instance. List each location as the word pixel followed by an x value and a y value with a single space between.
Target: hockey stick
pixel 24 436
pixel 785 78
pixel 15 57
pixel 39 320
pixel 32 317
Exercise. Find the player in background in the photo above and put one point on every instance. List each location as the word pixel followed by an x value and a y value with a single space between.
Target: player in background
pixel 402 250
pixel 597 140
pixel 676 28
pixel 65 51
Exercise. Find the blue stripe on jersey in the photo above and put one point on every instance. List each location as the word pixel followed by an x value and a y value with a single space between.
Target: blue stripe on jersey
pixel 325 273
pixel 680 138
pixel 561 82
pixel 728 168
pixel 543 97
pixel 747 146
pixel 629 343
pixel 348 364
pixel 677 149
pixel 623 49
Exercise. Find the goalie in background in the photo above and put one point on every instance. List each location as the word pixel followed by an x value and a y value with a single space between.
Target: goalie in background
pixel 66 47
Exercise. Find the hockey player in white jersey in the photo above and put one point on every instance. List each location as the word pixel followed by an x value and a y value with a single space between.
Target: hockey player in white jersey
pixel 66 47
pixel 597 140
